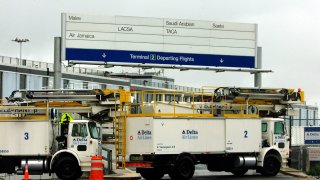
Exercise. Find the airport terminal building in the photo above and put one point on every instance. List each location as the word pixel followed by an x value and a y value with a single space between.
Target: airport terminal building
pixel 30 74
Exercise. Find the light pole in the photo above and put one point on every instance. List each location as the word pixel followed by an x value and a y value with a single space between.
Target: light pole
pixel 20 41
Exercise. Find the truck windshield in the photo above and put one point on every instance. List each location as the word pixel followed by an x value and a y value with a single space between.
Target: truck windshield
pixel 93 130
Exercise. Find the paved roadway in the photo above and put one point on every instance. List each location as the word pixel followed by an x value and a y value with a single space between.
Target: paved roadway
pixel 199 175
pixel 202 174
pixel 251 175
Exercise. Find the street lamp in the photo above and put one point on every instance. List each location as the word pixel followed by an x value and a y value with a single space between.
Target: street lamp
pixel 20 41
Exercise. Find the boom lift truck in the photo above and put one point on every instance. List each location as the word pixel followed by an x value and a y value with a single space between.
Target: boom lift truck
pixel 32 134
pixel 229 129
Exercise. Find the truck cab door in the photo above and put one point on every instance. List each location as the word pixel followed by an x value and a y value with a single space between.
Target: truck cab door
pixel 266 135
pixel 280 139
pixel 279 136
pixel 78 140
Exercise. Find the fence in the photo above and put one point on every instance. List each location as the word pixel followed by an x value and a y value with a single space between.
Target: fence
pixel 307 159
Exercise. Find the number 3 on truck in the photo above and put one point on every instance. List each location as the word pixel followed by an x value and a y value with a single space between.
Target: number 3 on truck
pixel 26 136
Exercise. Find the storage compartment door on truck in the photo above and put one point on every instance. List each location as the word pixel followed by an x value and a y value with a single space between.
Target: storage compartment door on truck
pixel 25 138
pixel 243 135
pixel 139 135
pixel 192 135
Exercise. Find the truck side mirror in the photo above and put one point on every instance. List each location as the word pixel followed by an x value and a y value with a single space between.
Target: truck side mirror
pixel 53 114
pixel 282 130
pixel 98 129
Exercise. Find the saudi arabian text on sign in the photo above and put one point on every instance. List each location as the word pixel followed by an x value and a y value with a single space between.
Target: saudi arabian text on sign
pixel 158 41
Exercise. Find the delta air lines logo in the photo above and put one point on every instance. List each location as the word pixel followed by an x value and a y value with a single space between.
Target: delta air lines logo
pixel 144 134
pixel 190 134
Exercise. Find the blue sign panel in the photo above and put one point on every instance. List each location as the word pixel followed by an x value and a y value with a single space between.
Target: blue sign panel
pixel 126 56
pixel 312 135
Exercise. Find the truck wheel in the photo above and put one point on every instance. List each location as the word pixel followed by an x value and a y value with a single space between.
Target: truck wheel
pixel 151 174
pixel 183 169
pixel 271 165
pixel 67 168
pixel 239 171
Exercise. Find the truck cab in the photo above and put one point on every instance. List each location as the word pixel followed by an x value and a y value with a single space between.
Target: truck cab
pixel 82 142
pixel 275 146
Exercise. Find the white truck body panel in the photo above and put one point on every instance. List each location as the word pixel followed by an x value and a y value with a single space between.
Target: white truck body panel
pixel 243 135
pixel 137 144
pixel 25 138
pixel 147 135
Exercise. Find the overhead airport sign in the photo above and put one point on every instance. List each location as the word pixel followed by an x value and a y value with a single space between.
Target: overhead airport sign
pixel 158 41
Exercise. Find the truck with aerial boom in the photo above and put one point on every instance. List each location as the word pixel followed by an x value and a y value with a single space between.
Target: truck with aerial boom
pixel 32 133
pixel 228 129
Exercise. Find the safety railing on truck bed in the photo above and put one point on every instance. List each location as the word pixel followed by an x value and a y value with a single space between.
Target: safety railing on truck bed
pixel 183 104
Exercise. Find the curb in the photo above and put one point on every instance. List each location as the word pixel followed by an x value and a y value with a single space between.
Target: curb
pixel 127 174
pixel 302 175
pixel 122 177
pixel 130 171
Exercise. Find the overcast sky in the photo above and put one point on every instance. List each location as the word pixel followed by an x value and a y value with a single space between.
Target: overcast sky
pixel 288 31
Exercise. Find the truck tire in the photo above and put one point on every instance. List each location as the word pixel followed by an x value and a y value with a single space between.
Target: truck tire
pixel 183 169
pixel 67 168
pixel 271 165
pixel 239 171
pixel 151 174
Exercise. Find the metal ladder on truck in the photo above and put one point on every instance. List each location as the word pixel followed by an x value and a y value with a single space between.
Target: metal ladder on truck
pixel 120 129
pixel 120 141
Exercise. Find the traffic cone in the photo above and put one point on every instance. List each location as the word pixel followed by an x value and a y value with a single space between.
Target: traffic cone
pixel 96 168
pixel 26 173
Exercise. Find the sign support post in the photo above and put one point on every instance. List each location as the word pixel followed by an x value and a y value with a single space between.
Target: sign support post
pixel 257 75
pixel 57 63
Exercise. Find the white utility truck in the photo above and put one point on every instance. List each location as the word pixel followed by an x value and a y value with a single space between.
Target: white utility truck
pixel 32 133
pixel 176 145
pixel 239 131
pixel 32 142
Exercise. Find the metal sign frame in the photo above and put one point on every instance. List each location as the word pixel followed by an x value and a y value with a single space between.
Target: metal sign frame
pixel 211 62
